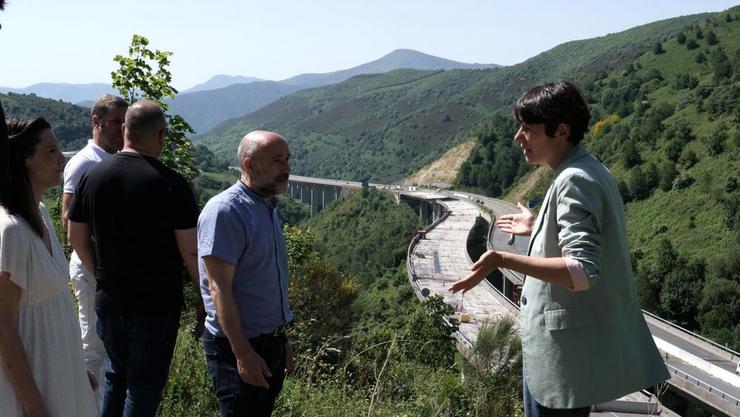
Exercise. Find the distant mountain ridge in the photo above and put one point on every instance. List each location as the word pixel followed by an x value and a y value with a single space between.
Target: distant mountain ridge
pixel 398 59
pixel 206 109
pixel 221 81
pixel 71 93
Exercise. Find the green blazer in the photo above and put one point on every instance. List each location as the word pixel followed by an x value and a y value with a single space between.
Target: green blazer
pixel 588 347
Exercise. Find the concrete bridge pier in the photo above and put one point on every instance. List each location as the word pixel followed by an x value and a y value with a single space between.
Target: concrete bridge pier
pixel 317 196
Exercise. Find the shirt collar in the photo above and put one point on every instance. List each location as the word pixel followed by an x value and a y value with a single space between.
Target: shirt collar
pixel 271 203
pixel 97 147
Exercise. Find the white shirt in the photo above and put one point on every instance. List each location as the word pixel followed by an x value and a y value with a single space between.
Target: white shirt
pixel 83 160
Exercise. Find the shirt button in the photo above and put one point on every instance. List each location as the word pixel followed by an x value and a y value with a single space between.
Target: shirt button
pixel 524 301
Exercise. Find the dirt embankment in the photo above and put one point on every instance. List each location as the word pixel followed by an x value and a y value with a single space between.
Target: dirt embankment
pixel 443 171
pixel 526 185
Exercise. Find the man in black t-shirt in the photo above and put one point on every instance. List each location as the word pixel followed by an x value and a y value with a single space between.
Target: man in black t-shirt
pixel 133 223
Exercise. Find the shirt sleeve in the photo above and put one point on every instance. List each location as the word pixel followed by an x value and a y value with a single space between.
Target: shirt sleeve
pixel 185 208
pixel 579 281
pixel 221 233
pixel 73 173
pixel 579 211
pixel 15 252
pixel 77 208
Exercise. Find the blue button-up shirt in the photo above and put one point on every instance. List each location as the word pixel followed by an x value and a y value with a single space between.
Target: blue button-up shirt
pixel 242 228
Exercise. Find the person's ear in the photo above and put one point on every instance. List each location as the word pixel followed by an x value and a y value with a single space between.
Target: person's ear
pixel 246 164
pixel 96 121
pixel 563 131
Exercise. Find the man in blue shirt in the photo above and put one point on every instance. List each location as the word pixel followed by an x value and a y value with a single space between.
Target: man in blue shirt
pixel 243 267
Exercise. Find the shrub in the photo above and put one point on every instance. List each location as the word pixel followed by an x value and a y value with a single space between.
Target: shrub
pixel 682 181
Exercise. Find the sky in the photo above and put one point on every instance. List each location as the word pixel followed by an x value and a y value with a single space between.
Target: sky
pixel 75 41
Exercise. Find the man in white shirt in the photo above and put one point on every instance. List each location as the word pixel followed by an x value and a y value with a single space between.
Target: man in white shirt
pixel 108 115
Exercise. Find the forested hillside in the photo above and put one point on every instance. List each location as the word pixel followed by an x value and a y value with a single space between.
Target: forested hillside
pixel 382 127
pixel 666 125
pixel 70 123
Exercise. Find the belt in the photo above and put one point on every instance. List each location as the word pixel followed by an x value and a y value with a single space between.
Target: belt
pixel 279 331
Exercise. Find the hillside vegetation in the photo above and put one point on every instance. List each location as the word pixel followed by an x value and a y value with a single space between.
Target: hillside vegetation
pixel 383 127
pixel 70 123
pixel 666 125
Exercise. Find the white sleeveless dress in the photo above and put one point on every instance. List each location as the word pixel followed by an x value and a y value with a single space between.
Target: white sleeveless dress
pixel 47 322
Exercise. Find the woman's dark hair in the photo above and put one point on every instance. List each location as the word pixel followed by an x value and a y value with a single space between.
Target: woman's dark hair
pixel 554 103
pixel 16 194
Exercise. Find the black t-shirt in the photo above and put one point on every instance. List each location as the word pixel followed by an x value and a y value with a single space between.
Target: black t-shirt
pixel 133 204
pixel 3 146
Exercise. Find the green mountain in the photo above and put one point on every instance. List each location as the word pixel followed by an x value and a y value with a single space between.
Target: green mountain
pixel 70 123
pixel 666 125
pixel 384 126
pixel 221 81
pixel 398 59
pixel 205 109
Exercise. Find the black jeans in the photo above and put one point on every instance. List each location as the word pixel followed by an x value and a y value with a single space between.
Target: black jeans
pixel 534 409
pixel 139 354
pixel 235 397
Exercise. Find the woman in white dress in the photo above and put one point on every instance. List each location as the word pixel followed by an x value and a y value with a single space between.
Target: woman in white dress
pixel 43 373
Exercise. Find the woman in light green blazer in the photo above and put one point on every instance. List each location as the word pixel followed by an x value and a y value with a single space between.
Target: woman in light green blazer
pixel 584 338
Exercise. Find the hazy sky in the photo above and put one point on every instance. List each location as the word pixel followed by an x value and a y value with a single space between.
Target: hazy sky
pixel 75 41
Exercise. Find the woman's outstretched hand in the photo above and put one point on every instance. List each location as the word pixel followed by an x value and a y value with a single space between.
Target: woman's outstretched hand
pixel 520 224
pixel 485 265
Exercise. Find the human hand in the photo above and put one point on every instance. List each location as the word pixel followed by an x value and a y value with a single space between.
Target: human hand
pixel 518 223
pixel 288 358
pixel 200 319
pixel 93 380
pixel 253 370
pixel 489 261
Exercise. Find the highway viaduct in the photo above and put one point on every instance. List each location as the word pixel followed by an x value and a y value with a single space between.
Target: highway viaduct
pixel 702 372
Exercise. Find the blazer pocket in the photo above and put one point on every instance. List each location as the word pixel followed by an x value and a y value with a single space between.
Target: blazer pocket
pixel 573 318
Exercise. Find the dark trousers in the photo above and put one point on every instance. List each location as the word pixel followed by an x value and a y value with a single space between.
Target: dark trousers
pixel 139 352
pixel 533 409
pixel 235 397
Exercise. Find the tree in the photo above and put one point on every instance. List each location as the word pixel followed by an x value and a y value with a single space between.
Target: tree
pixel 630 155
pixel 715 140
pixel 712 38
pixel 719 310
pixel 136 79
pixel 681 292
pixel 681 38
pixel 658 48
pixel 688 158
pixel 685 80
pixel 720 64
pixel 666 174
pixel 638 184
pixel 691 44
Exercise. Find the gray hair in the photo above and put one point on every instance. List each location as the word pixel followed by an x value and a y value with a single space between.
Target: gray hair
pixel 248 148
pixel 105 103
